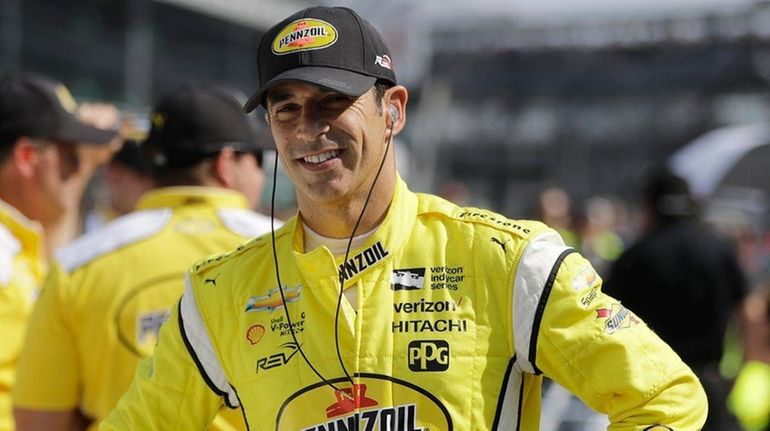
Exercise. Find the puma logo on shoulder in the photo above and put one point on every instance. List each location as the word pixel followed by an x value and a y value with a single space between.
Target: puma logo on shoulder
pixel 500 243
pixel 213 281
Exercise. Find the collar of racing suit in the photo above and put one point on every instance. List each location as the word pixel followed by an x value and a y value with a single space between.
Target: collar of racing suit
pixel 172 197
pixel 28 232
pixel 387 240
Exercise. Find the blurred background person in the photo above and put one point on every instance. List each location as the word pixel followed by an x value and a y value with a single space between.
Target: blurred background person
pixel 684 281
pixel 554 208
pixel 456 192
pixel 40 167
pixel 124 180
pixel 599 241
pixel 749 399
pixel 102 306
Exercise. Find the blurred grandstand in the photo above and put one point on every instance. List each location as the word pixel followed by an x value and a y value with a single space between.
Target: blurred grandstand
pixel 506 95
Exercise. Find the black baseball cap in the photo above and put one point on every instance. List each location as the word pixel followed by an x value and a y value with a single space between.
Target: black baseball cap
pixel 37 106
pixel 331 47
pixel 197 121
pixel 132 157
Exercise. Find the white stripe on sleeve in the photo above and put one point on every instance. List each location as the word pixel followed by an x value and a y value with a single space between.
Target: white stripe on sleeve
pixel 535 266
pixel 200 343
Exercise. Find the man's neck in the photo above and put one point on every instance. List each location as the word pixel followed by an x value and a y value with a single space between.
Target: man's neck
pixel 13 193
pixel 337 219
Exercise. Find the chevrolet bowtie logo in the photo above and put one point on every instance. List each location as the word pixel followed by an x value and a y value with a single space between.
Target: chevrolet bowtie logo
pixel 273 299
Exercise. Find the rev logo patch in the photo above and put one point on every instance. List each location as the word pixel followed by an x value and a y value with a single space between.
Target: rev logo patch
pixel 281 358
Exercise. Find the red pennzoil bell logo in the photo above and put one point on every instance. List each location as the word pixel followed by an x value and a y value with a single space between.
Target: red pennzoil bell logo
pixel 350 400
pixel 366 405
pixel 304 35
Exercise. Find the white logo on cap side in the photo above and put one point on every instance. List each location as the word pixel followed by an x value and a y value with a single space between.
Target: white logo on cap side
pixel 384 61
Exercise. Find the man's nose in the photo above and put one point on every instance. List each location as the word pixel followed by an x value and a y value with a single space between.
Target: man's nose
pixel 312 124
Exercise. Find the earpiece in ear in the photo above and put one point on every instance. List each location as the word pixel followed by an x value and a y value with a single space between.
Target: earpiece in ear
pixel 394 115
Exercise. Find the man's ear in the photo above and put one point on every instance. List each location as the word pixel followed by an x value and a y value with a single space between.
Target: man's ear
pixel 25 156
pixel 267 118
pixel 395 99
pixel 222 167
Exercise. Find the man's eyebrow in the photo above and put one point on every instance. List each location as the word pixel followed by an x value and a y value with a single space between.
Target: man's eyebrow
pixel 279 96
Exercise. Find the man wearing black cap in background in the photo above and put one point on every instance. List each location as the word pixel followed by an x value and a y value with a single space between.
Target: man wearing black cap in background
pixel 111 289
pixel 41 178
pixel 685 282
pixel 378 308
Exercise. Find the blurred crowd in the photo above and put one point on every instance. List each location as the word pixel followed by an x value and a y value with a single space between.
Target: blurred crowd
pixel 705 288
pixel 700 279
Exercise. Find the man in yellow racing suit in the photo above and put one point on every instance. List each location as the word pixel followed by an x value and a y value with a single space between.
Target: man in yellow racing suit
pixel 448 316
pixel 48 149
pixel 105 300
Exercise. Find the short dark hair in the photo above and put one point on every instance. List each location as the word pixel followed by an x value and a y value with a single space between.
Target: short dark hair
pixel 190 175
pixel 6 147
pixel 380 87
pixel 193 174
pixel 667 194
pixel 257 155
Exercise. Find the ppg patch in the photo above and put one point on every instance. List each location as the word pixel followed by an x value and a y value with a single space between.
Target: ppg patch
pixel 407 279
pixel 428 355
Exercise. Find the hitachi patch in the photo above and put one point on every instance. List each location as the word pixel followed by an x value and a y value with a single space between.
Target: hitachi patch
pixel 304 35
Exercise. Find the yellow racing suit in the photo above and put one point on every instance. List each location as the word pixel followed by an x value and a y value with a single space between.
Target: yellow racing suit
pixel 104 302
pixel 459 313
pixel 22 270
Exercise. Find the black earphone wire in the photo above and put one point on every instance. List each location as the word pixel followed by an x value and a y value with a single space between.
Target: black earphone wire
pixel 342 274
pixel 347 252
pixel 280 286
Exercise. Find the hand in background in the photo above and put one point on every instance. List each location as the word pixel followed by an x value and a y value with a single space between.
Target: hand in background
pixel 90 158
pixel 104 116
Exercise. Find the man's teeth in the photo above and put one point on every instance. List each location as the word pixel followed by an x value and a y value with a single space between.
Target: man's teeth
pixel 320 158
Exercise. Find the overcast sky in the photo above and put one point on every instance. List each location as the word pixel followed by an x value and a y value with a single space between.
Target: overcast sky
pixel 566 9
pixel 261 13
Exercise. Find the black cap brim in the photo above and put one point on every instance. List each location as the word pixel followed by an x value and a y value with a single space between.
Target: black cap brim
pixel 339 80
pixel 73 131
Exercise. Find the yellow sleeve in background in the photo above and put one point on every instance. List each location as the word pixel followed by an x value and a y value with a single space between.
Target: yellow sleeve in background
pixel 750 398
pixel 47 376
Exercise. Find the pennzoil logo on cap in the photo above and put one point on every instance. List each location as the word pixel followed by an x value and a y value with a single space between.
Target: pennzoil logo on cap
pixel 65 99
pixel 158 120
pixel 304 35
